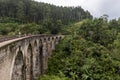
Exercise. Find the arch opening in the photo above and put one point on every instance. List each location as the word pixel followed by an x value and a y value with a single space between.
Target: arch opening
pixel 29 63
pixel 48 38
pixel 19 67
pixel 41 59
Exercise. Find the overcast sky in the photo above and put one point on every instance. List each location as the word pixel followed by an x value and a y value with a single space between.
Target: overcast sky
pixel 96 7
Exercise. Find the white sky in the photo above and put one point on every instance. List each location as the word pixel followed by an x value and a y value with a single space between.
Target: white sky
pixel 96 7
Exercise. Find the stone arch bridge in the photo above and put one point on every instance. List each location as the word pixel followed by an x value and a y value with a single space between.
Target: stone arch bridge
pixel 26 57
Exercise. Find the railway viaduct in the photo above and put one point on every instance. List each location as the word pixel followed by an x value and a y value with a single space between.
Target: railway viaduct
pixel 26 57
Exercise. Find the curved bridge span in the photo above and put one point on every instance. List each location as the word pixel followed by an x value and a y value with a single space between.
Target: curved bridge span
pixel 26 57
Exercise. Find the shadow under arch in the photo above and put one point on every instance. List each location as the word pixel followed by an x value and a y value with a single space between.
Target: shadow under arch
pixel 19 67
pixel 29 63
pixel 41 57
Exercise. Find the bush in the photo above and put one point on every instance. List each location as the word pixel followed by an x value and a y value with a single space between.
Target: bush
pixel 79 59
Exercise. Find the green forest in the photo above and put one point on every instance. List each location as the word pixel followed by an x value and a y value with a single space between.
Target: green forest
pixel 90 49
pixel 38 18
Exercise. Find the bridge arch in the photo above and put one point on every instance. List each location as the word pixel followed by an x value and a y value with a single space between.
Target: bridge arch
pixel 24 49
pixel 49 39
pixel 29 62
pixel 41 56
pixel 18 71
pixel 36 60
pixel 56 40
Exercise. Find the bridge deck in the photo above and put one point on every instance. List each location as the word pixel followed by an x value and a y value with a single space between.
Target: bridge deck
pixel 9 39
pixel 12 40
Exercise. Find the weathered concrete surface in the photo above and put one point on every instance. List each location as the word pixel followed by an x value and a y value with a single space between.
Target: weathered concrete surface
pixel 26 57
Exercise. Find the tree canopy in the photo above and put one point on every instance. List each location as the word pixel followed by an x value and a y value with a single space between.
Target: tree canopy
pixel 91 51
pixel 28 11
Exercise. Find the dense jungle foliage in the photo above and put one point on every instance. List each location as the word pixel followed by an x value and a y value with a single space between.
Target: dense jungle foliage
pixel 90 50
pixel 36 17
